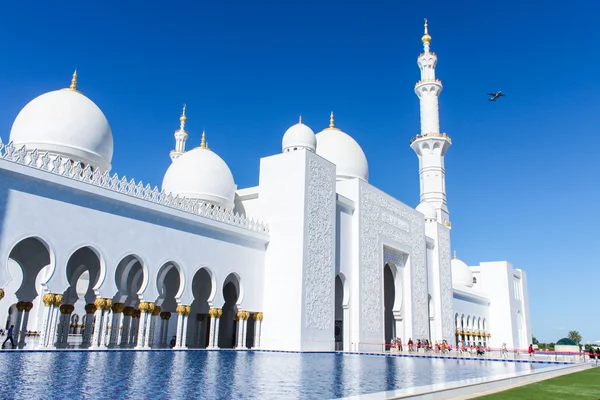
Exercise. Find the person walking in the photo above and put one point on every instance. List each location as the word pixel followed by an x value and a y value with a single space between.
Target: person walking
pixel 9 336
pixel 530 351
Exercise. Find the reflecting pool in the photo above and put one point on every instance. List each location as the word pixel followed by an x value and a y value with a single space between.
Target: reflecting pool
pixel 226 374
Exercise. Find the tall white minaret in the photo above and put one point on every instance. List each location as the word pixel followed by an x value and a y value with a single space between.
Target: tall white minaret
pixel 181 137
pixel 431 145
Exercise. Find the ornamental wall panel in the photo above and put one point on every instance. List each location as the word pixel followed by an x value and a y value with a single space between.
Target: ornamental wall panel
pixel 446 295
pixel 382 217
pixel 319 273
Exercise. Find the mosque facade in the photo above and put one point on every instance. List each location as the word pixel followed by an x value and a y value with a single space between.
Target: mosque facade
pixel 313 258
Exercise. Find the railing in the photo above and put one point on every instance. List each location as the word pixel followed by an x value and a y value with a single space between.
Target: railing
pixel 75 170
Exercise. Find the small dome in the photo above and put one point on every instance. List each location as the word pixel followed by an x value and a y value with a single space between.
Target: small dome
pixel 566 342
pixel 203 175
pixel 66 123
pixel 461 273
pixel 342 150
pixel 297 137
pixel 428 210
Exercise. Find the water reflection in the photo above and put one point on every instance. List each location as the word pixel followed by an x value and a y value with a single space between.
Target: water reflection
pixel 226 374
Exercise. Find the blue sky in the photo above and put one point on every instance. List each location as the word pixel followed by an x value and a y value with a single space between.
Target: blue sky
pixel 518 172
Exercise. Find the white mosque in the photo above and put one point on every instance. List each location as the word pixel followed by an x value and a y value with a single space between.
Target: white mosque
pixel 314 258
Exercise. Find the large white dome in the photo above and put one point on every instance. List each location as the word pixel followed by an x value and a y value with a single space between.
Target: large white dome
pixel 66 123
pixel 299 136
pixel 461 273
pixel 201 174
pixel 342 150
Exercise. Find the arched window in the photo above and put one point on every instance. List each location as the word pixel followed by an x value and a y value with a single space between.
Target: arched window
pixel 474 280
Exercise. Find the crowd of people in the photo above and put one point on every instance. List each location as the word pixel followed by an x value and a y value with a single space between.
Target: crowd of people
pixel 422 345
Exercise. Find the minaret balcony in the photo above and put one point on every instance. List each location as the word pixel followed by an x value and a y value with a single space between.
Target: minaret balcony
pixel 428 82
pixel 431 135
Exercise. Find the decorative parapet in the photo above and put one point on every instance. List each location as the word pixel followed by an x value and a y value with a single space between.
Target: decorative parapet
pixel 428 135
pixel 421 82
pixel 74 170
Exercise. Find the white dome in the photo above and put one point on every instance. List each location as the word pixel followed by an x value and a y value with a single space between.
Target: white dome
pixel 201 174
pixel 461 273
pixel 428 210
pixel 339 148
pixel 66 123
pixel 299 136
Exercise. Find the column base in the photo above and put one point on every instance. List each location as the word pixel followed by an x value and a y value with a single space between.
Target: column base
pixel 241 348
pixel 141 348
pixel 212 348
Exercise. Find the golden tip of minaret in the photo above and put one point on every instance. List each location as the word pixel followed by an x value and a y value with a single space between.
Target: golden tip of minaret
pixel 426 38
pixel 183 118
pixel 331 120
pixel 203 144
pixel 74 81
pixel 454 250
pixel 300 119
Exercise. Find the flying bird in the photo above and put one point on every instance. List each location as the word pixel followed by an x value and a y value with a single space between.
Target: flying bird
pixel 495 96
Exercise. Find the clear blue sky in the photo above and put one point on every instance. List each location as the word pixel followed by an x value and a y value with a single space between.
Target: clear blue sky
pixel 522 175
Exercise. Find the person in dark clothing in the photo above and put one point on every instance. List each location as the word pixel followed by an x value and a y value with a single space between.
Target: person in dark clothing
pixel 9 336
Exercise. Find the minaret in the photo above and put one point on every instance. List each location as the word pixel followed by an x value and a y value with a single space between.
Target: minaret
pixel 180 137
pixel 431 145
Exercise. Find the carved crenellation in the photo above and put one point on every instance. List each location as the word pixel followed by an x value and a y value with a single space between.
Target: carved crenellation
pixel 373 206
pixel 75 170
pixel 320 248
pixel 446 296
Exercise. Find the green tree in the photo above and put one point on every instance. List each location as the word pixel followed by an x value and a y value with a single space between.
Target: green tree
pixel 534 340
pixel 575 336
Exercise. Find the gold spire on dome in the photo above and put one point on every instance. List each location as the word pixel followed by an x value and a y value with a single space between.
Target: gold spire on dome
pixel 74 81
pixel 331 121
pixel 455 254
pixel 300 119
pixel 203 142
pixel 426 38
pixel 183 118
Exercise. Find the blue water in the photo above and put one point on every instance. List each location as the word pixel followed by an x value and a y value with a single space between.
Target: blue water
pixel 225 374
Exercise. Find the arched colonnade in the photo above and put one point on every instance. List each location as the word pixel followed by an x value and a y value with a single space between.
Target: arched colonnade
pixel 471 330
pixel 123 320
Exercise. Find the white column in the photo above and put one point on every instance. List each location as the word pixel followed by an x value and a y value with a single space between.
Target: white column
pixel 215 315
pixel 152 336
pixel 179 329
pixel 239 329
pixel 346 328
pixel 17 328
pixel 124 339
pixel 185 330
pixel 258 317
pixel 90 309
pixel 52 329
pixel 245 329
pixel 48 300
pixel 135 324
pixel 28 306
pixel 98 323
pixel 117 319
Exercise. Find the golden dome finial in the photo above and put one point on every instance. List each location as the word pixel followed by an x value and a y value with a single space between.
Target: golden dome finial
pixel 183 118
pixel 300 119
pixel 426 38
pixel 74 81
pixel 455 254
pixel 331 121
pixel 203 144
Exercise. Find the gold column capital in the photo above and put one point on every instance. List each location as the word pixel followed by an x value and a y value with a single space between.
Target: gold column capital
pixel 215 312
pixel 1 294
pixel 90 308
pixel 146 307
pixel 100 303
pixel 156 311
pixel 165 315
pixel 20 306
pixel 67 308
pixel 48 299
pixel 28 306
pixel 258 316
pixel 128 311
pixel 58 299
pixel 118 308
pixel 183 310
